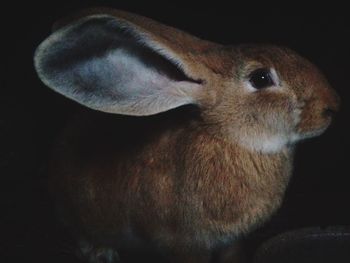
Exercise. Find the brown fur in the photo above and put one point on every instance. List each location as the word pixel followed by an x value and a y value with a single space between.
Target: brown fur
pixel 182 187
pixel 184 180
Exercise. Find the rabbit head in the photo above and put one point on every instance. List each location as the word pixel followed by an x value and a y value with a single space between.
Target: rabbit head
pixel 272 97
pixel 259 96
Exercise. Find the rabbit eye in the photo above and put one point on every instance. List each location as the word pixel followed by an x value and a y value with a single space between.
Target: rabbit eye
pixel 261 78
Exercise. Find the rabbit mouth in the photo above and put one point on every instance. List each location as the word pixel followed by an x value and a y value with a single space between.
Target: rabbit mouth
pixel 302 135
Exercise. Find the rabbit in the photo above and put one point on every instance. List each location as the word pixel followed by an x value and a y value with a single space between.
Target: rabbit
pixel 184 145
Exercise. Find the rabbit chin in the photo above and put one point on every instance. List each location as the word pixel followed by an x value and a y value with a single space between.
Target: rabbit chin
pixel 308 134
pixel 275 143
pixel 265 144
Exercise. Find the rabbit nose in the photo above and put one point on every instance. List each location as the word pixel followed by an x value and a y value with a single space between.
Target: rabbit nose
pixel 329 112
pixel 332 103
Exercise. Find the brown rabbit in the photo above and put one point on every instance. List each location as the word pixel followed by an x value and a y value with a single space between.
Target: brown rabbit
pixel 184 180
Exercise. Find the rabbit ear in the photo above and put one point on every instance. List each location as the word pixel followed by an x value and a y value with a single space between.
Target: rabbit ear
pixel 113 65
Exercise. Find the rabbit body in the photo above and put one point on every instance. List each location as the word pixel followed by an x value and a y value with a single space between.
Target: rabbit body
pixel 199 148
pixel 176 184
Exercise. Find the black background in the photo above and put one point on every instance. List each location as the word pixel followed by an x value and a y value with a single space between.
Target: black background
pixel 31 115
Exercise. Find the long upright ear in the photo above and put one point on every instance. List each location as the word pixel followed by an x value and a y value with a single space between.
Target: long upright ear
pixel 110 64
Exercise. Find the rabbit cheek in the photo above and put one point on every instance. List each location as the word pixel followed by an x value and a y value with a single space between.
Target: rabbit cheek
pixel 269 129
pixel 266 133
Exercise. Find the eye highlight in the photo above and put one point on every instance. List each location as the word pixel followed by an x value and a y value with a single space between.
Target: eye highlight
pixel 261 78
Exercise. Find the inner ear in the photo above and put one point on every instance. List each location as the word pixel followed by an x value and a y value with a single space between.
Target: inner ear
pixel 156 61
pixel 97 42
pixel 162 65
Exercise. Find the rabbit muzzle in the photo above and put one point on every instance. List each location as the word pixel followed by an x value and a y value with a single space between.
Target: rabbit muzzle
pixel 318 112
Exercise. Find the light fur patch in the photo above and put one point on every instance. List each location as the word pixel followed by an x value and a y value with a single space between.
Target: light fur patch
pixel 271 144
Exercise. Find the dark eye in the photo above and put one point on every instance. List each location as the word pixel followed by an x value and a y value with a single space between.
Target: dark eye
pixel 261 78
